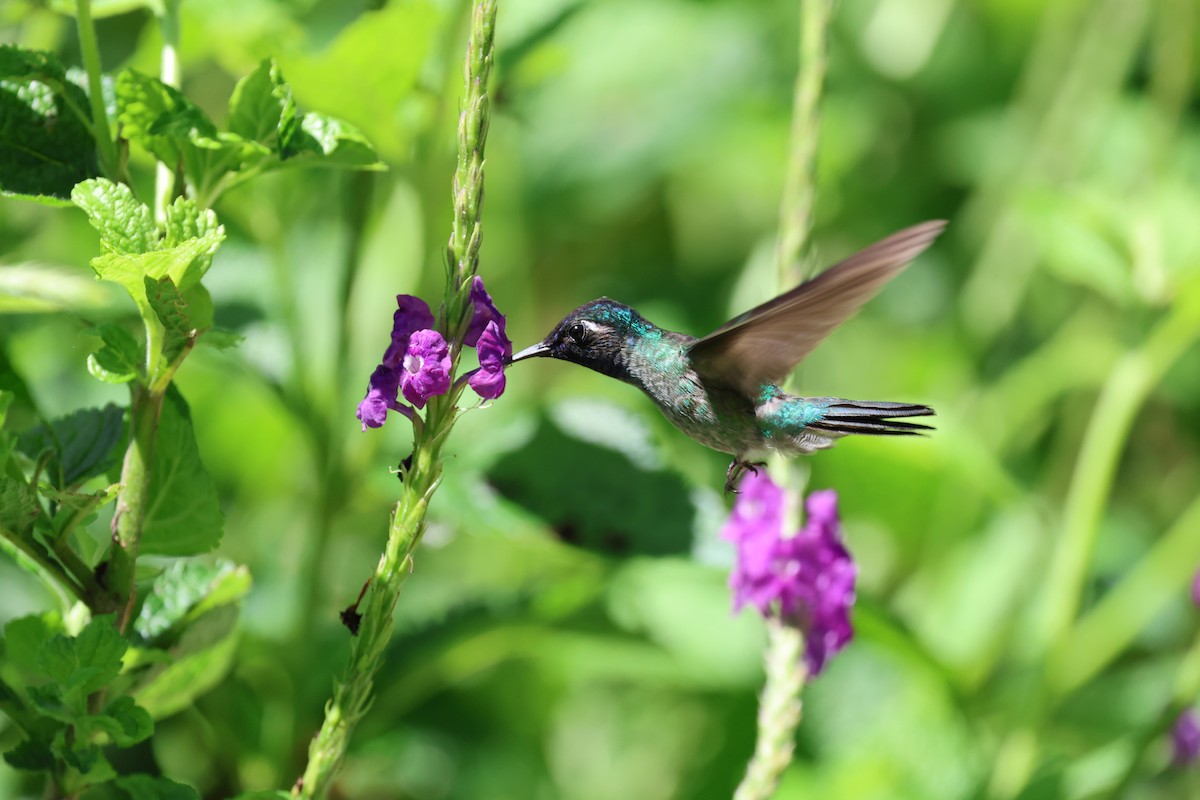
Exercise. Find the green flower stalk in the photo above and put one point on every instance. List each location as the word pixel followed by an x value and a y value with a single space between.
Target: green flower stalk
pixel 419 366
pixel 780 706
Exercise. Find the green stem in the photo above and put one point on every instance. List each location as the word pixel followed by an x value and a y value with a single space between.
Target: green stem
pixel 90 51
pixel 164 174
pixel 1127 387
pixel 132 499
pixel 466 235
pixel 352 694
pixel 799 191
pixel 779 711
pixel 40 561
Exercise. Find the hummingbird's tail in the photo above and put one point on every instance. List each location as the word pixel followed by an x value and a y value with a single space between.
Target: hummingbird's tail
pixel 876 418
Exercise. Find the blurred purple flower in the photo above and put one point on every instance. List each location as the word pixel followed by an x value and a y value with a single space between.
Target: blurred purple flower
pixel 381 395
pixel 1185 738
pixel 494 350
pixel 425 368
pixel 485 311
pixel 412 314
pixel 806 580
pixel 1196 588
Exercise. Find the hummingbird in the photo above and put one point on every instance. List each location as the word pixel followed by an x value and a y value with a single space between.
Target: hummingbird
pixel 724 389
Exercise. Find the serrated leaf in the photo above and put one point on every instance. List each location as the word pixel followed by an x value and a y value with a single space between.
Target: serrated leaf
pixel 184 263
pixel 18 506
pixel 169 306
pixel 45 146
pixel 149 787
pixel 31 755
pixel 185 220
pixel 84 443
pixel 158 116
pixel 262 105
pixel 179 133
pixel 21 64
pixel 119 360
pixel 87 758
pixel 126 224
pixel 24 638
pixel 124 721
pixel 183 512
pixel 332 141
pixel 186 590
pixel 87 662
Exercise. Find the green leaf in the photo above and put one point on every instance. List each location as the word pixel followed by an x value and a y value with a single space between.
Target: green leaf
pixel 84 443
pixel 119 360
pixel 184 263
pixel 276 795
pixel 31 755
pixel 87 662
pixel 185 590
pixel 335 142
pixel 178 133
pixel 24 638
pixel 261 107
pixel 46 146
pixel 185 220
pixel 18 506
pixel 159 117
pixel 124 721
pixel 183 514
pixel 199 662
pixel 125 223
pixel 148 787
pixel 169 306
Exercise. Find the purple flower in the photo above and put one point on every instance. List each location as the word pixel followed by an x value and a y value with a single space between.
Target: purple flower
pixel 494 349
pixel 485 311
pixel 1185 738
pixel 412 314
pixel 1196 589
pixel 381 394
pixel 425 367
pixel 806 580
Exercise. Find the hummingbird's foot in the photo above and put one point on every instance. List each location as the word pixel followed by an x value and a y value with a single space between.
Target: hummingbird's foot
pixel 735 471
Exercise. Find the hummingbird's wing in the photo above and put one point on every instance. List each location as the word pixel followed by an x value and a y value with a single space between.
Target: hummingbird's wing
pixel 764 344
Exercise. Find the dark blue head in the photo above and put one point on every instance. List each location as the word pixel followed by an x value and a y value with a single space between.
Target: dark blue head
pixel 597 335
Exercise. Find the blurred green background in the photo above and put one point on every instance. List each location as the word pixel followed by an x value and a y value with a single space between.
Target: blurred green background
pixel 1023 607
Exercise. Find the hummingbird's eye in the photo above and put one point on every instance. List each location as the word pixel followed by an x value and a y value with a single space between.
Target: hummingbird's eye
pixel 577 332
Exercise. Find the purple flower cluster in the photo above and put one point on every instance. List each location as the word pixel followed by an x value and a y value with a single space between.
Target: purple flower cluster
pixel 806 580
pixel 417 362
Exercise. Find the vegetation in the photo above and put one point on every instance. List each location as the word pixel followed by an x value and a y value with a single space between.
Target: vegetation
pixel 254 182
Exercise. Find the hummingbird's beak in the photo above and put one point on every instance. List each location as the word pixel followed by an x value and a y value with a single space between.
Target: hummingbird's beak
pixel 539 349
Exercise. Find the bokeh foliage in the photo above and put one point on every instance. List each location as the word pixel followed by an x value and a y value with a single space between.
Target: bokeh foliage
pixel 1023 613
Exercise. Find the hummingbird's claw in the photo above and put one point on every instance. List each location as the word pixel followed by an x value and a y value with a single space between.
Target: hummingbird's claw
pixel 735 471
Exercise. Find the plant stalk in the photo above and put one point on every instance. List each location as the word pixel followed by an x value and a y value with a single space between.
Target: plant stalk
pixel 779 711
pixel 353 692
pixel 90 51
pixel 130 515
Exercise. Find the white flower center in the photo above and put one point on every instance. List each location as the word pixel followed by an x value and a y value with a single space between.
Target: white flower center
pixel 413 363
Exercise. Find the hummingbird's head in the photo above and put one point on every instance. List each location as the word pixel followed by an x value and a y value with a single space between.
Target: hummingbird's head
pixel 595 335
